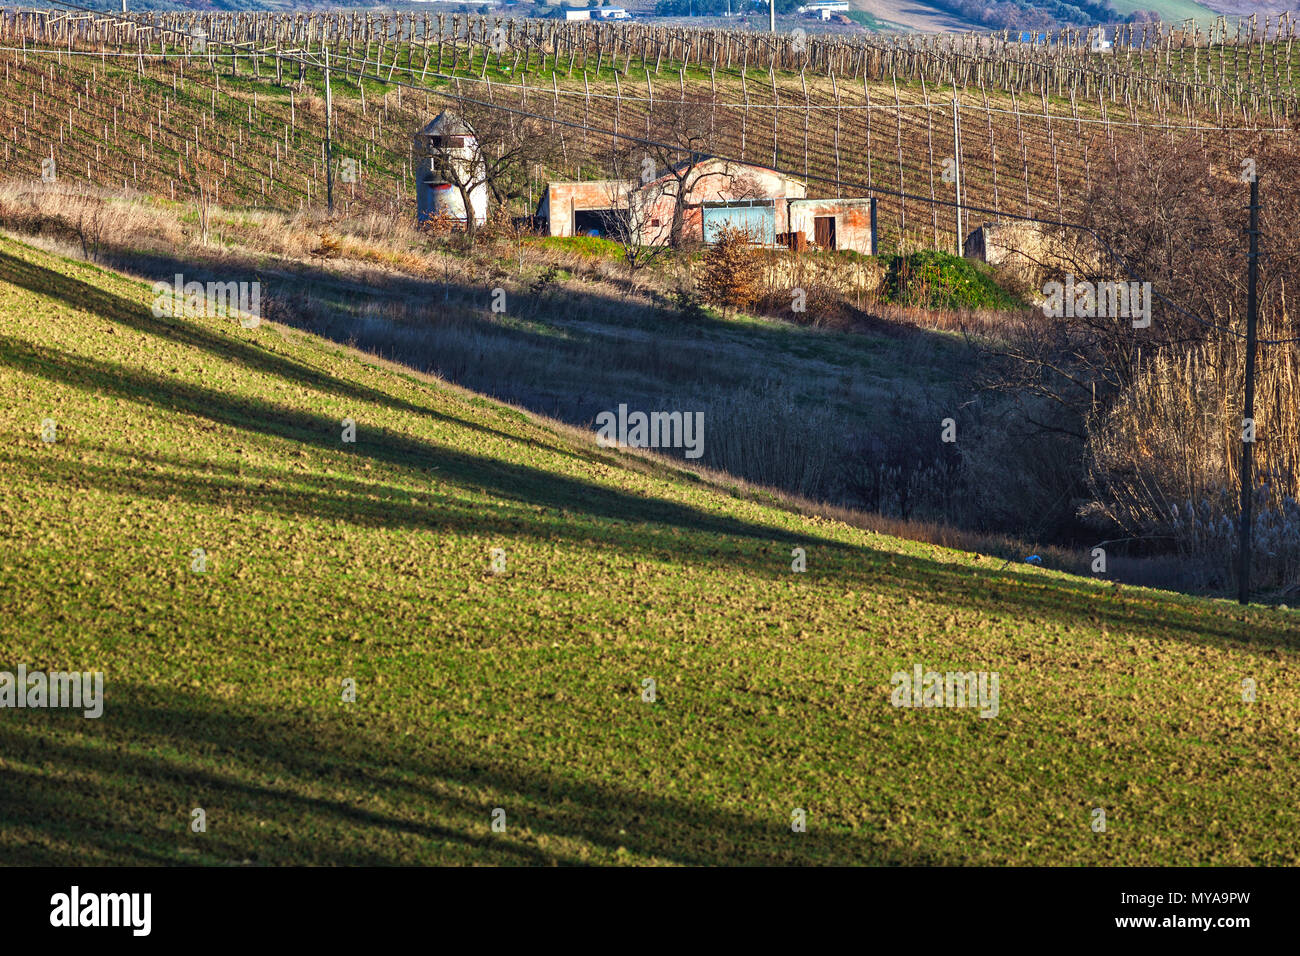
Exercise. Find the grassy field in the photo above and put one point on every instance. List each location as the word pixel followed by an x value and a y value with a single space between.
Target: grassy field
pixel 522 690
pixel 1171 11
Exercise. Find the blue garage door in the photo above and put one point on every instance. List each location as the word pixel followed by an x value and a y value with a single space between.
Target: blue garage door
pixel 758 220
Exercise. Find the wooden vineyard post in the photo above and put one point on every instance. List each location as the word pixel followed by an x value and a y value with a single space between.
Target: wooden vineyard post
pixel 806 110
pixel 866 96
pixel 713 93
pixel 650 103
pixel 902 189
pixel 1024 155
pixel 929 140
pixel 1056 164
pixel 555 102
pixel 993 150
pixel 1083 143
pixel 618 108
pixel 835 87
pixel 776 111
pixel 744 117
pixel 329 125
pixel 956 166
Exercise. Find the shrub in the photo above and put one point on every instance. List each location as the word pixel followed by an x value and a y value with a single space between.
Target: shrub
pixel 587 247
pixel 907 471
pixel 824 306
pixel 329 246
pixel 1163 461
pixel 733 272
pixel 544 281
pixel 942 281
pixel 764 436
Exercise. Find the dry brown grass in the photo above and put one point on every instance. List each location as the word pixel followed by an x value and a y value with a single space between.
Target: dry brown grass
pixel 1166 459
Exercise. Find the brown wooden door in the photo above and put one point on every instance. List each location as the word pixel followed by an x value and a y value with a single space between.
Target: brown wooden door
pixel 824 231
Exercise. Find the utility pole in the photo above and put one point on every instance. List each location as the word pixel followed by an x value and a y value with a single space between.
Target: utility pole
pixel 771 16
pixel 956 162
pixel 1248 422
pixel 329 137
pixel 875 249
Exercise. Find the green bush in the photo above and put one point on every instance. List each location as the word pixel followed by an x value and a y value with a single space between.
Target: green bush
pixel 589 247
pixel 938 280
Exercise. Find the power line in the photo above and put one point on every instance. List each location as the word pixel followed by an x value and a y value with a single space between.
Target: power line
pixel 629 98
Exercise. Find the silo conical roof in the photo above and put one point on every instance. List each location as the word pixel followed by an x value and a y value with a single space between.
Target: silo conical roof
pixel 447 123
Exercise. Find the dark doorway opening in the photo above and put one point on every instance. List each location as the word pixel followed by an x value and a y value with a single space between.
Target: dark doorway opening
pixel 598 222
pixel 824 231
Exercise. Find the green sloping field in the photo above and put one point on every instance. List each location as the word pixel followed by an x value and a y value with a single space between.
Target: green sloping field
pixel 522 690
pixel 1171 11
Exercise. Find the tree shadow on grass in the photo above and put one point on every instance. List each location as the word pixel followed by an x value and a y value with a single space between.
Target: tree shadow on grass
pixel 630 521
pixel 249 353
pixel 686 536
pixel 514 483
pixel 314 787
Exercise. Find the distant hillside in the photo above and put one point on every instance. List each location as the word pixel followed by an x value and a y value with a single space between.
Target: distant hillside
pixel 929 16
pixel 1171 11
pixel 945 15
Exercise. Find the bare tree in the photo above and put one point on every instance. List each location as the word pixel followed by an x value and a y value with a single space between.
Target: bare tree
pixel 201 183
pixel 677 158
pixel 1154 409
pixel 635 224
pixel 89 227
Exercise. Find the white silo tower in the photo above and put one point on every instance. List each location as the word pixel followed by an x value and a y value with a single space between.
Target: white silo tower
pixel 446 156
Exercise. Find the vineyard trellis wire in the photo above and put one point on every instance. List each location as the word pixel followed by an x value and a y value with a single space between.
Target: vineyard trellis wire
pixel 1064 60
pixel 1073 151
pixel 307 60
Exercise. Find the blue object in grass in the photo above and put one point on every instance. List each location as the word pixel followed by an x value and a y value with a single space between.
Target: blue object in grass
pixel 1033 559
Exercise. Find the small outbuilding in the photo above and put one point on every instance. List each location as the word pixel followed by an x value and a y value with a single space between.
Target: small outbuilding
pixel 1099 42
pixel 834 223
pixel 447 164
pixel 770 205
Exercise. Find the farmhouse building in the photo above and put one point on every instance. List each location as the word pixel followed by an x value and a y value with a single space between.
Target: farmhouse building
pixel 835 223
pixel 770 205
pixel 599 13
